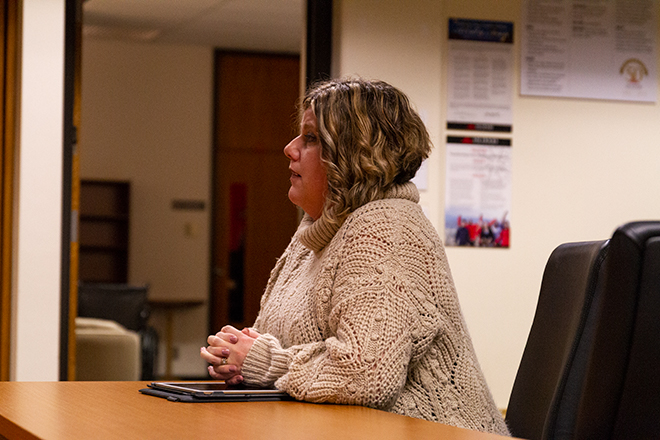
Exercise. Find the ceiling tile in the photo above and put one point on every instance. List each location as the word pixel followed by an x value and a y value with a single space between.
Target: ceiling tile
pixel 272 25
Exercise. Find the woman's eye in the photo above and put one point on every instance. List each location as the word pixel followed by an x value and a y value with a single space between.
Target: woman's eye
pixel 310 138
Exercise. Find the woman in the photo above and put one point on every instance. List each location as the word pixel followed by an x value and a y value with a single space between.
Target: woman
pixel 361 307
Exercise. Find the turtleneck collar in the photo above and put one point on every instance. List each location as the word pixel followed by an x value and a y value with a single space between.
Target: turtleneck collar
pixel 316 235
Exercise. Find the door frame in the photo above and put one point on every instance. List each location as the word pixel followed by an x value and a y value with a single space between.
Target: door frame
pixel 70 188
pixel 10 55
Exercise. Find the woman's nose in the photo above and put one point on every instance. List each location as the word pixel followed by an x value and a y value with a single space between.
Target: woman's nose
pixel 290 150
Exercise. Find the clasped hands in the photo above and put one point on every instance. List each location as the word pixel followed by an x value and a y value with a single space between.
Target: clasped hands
pixel 227 351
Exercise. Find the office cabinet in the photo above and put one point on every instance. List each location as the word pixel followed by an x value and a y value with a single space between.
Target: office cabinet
pixel 103 231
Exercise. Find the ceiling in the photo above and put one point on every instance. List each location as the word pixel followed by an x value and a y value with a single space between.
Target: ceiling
pixel 259 25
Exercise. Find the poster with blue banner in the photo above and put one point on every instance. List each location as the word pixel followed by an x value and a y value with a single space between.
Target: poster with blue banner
pixel 480 75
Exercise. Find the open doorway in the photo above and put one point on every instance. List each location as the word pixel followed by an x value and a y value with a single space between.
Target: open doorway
pixel 147 118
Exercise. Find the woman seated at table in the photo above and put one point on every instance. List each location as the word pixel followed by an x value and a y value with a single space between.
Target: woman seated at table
pixel 361 307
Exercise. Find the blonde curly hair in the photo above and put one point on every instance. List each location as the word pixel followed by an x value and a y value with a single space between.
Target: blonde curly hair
pixel 371 140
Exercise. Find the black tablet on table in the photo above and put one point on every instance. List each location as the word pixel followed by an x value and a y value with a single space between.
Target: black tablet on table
pixel 212 391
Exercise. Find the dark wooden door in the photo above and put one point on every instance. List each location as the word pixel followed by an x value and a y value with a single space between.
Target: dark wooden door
pixel 253 219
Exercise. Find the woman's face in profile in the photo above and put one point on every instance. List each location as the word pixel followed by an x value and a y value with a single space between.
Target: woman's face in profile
pixel 309 182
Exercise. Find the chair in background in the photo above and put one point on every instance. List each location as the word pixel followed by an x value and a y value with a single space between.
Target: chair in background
pixel 555 357
pixel 589 369
pixel 127 305
pixel 105 350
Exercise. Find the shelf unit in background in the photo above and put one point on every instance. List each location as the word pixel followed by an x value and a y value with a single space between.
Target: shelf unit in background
pixel 103 231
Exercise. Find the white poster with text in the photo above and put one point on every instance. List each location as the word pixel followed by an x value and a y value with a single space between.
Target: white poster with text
pixel 480 75
pixel 598 49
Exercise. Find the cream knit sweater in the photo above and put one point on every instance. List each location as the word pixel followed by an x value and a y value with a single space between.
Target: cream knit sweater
pixel 368 315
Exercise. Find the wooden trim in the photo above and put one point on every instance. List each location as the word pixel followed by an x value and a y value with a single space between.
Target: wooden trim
pixel 10 53
pixel 74 249
pixel 318 52
pixel 70 189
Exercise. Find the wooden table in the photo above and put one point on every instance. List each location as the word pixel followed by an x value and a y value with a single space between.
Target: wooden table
pixel 116 410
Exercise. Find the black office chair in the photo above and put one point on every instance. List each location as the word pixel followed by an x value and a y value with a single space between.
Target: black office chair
pixel 128 306
pixel 544 394
pixel 622 389
pixel 589 370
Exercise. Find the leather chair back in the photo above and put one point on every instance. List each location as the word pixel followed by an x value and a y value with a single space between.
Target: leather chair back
pixel 546 391
pixel 622 390
pixel 590 367
pixel 123 303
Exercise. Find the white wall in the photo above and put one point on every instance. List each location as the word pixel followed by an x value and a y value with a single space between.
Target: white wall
pixel 146 118
pixel 38 186
pixel 580 167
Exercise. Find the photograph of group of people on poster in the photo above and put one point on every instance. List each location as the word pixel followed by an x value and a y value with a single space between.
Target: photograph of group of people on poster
pixel 480 231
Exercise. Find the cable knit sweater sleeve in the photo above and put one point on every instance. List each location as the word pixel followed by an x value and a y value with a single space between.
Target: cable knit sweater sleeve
pixel 362 313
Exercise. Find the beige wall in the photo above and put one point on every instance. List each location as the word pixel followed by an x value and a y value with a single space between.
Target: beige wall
pixel 38 196
pixel 146 118
pixel 580 167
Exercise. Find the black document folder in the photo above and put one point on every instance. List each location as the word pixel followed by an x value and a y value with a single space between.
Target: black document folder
pixel 212 392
